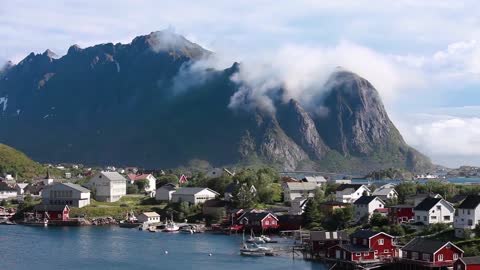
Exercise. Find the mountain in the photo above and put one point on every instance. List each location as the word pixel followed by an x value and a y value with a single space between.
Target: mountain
pixel 141 104
pixel 17 163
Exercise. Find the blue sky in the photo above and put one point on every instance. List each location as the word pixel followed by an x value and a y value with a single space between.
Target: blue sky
pixel 423 56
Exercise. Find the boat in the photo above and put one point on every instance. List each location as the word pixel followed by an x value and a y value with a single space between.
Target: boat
pixel 130 221
pixel 268 239
pixel 7 222
pixel 152 229
pixel 254 250
pixel 170 226
pixel 187 229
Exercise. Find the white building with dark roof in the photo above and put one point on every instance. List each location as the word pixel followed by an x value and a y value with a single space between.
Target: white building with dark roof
pixel 293 190
pixel 194 195
pixel 386 193
pixel 467 215
pixel 7 191
pixel 63 194
pixel 365 206
pixel 348 193
pixel 108 186
pixel 434 210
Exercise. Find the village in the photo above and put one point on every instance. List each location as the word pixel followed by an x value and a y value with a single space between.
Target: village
pixel 338 222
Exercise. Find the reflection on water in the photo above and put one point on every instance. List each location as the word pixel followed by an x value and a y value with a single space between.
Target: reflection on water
pixel 116 248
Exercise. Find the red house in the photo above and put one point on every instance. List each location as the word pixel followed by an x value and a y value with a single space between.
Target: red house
pixel 430 253
pixel 53 212
pixel 365 246
pixel 467 263
pixel 398 214
pixel 259 221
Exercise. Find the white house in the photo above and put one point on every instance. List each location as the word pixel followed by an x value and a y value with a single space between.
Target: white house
pixel 293 190
pixel 365 205
pixel 164 193
pixel 152 181
pixel 20 187
pixel 386 193
pixel 193 195
pixel 149 217
pixel 467 215
pixel 348 193
pixel 108 186
pixel 318 180
pixel 7 192
pixel 66 194
pixel 418 198
pixel 434 210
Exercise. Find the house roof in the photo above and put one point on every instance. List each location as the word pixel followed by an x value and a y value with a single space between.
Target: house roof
pixel 364 234
pixel 470 260
pixel 470 202
pixel 315 179
pixel 301 186
pixel 349 186
pixel 169 186
pixel 425 245
pixel 112 176
pixel 458 198
pixel 193 191
pixel 135 177
pixel 70 185
pixel 49 207
pixel 257 216
pixel 427 204
pixel 323 235
pixel 383 191
pixel 366 200
pixel 381 210
pixel 151 214
pixel 5 187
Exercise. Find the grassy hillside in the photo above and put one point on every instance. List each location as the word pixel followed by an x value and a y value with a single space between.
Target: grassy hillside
pixel 17 163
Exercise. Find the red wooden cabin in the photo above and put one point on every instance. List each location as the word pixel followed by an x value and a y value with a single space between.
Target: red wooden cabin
pixel 467 263
pixel 430 253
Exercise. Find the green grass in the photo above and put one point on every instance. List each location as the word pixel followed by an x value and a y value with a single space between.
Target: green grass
pixel 118 210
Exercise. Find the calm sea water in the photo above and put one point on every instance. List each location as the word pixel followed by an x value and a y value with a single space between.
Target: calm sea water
pixel 104 248
pixel 458 180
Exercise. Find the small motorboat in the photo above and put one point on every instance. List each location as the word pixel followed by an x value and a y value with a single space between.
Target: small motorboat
pixel 152 229
pixel 187 229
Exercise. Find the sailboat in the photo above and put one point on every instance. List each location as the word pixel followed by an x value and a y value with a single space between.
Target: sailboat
pixel 254 250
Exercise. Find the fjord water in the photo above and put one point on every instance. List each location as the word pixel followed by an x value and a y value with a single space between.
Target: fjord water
pixel 105 248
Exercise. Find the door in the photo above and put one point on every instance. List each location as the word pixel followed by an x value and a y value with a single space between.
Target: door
pixel 337 254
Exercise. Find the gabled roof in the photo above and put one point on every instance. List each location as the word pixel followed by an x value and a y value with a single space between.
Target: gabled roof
pixel 135 177
pixel 366 200
pixel 425 245
pixel 151 214
pixel 323 235
pixel 169 186
pixel 470 260
pixel 256 216
pixel 383 191
pixel 315 179
pixel 470 202
pixel 350 186
pixel 427 204
pixel 112 176
pixel 193 191
pixel 303 186
pixel 74 186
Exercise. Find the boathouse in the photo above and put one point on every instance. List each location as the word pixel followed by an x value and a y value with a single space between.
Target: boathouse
pixel 259 221
pixel 53 212
pixel 467 263
pixel 430 253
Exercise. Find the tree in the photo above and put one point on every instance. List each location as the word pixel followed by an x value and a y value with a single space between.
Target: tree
pixel 132 189
pixel 243 197
pixel 28 199
pixel 3 203
pixel 142 184
pixel 397 230
pixel 164 179
pixel 378 220
pixel 405 189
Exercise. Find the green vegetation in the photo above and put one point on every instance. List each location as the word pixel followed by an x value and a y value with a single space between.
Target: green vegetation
pixel 390 173
pixel 18 164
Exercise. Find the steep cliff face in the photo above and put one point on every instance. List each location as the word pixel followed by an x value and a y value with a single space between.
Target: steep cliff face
pixel 118 103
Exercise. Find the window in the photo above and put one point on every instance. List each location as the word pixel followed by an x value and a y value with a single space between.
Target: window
pixel 433 217
pixel 365 254
pixel 455 256
pixel 380 241
pixel 424 218
pixel 267 222
pixel 426 257
pixel 470 222
pixel 468 211
pixel 418 217
pixel 439 207
pixel 358 254
pixel 386 251
pixel 440 257
pixel 446 217
pixel 414 255
pixel 376 251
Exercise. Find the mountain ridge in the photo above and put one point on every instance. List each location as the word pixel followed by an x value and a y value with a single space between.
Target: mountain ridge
pixel 114 103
